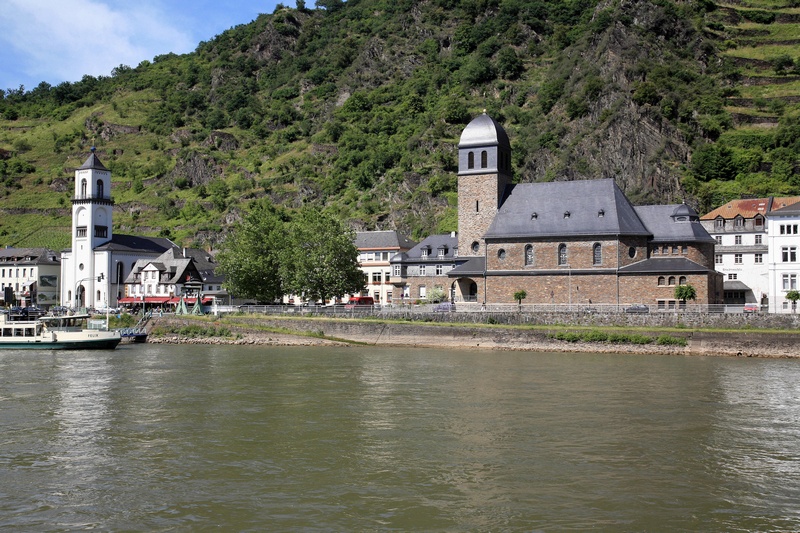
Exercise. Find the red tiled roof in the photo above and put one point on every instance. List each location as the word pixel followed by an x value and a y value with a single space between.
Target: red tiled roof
pixel 750 207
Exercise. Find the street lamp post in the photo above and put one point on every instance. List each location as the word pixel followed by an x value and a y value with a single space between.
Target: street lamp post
pixel 100 278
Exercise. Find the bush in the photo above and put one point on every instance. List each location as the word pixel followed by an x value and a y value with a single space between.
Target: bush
pixel 669 340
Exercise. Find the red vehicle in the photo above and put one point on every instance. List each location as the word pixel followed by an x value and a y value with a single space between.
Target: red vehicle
pixel 359 301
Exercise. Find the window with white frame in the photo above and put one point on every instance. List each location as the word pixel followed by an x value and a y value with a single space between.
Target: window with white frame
pixel 737 239
pixel 758 239
pixel 789 254
pixel 423 291
pixel 789 282
pixel 719 223
pixel 718 259
pixel 397 271
pixel 758 258
pixel 733 276
pixel 737 259
pixel 439 270
pixel 788 229
pixel 718 238
pixel 423 271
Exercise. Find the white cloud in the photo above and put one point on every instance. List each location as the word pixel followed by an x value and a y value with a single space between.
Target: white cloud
pixel 62 40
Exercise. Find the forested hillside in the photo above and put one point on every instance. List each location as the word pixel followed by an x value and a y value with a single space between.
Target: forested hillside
pixel 357 107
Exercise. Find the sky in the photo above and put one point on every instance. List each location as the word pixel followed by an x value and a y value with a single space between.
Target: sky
pixel 63 40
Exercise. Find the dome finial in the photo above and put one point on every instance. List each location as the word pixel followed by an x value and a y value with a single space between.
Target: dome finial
pixel 92 149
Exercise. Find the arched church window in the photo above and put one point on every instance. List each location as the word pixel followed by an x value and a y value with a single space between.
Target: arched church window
pixel 562 254
pixel 529 255
pixel 484 159
pixel 83 188
pixel 471 160
pixel 100 189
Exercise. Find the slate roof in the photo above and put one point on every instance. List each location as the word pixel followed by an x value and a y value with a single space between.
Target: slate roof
pixel 137 243
pixel 564 209
pixel 39 256
pixel 205 264
pixel 662 222
pixel 93 162
pixel 382 240
pixel 171 262
pixel 789 210
pixel 735 285
pixel 663 265
pixel 474 266
pixel 484 131
pixel 449 241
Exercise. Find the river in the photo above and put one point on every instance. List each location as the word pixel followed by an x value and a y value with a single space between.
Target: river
pixel 184 437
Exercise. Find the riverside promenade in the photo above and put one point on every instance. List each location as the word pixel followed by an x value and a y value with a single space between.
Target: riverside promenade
pixel 767 336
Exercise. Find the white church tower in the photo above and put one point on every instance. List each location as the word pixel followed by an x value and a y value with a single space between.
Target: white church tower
pixel 91 228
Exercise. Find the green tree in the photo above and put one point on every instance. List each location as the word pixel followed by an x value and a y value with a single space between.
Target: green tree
pixel 793 296
pixel 519 296
pixel 685 292
pixel 250 257
pixel 320 259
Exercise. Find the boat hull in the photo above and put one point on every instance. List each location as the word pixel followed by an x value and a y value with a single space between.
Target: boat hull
pixel 34 344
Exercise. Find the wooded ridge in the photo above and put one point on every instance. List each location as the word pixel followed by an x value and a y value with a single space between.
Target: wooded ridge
pixel 356 108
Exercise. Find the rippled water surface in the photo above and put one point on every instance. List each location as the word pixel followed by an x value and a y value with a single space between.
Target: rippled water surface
pixel 180 438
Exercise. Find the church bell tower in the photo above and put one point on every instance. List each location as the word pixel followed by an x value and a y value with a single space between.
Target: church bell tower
pixel 484 172
pixel 91 225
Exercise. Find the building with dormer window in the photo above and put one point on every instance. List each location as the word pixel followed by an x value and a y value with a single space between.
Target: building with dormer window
pixel 741 254
pixel 563 242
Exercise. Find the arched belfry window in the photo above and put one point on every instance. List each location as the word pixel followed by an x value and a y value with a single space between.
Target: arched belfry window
pixel 562 254
pixel 100 189
pixel 484 159
pixel 471 160
pixel 83 188
pixel 597 254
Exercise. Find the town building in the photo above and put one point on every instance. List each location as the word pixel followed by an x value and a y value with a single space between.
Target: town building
pixel 567 242
pixel 783 241
pixel 421 273
pixel 375 250
pixel 175 274
pixel 94 269
pixel 29 277
pixel 740 228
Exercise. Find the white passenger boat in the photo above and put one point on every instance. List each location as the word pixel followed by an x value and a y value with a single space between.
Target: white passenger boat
pixel 67 332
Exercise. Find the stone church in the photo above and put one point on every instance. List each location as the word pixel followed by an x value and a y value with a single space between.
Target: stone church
pixel 563 242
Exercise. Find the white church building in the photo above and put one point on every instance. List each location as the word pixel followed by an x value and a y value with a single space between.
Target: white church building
pixel 94 269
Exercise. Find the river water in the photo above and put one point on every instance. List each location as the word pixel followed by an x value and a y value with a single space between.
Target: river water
pixel 179 438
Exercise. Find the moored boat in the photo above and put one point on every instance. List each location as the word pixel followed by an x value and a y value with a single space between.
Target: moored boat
pixel 67 332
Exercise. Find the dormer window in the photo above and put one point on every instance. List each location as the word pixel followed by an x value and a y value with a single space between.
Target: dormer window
pixel 738 222
pixel 719 223
pixel 601 213
pixel 534 215
pixel 566 214
pixel 424 253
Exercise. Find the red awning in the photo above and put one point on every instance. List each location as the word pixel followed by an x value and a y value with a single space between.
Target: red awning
pixel 176 300
pixel 148 299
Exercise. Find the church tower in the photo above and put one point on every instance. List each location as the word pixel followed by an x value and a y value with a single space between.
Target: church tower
pixel 91 226
pixel 484 173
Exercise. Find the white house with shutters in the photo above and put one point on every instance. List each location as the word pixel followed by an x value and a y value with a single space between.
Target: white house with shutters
pixel 783 236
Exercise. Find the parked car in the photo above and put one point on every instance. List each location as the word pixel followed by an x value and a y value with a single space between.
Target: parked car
pixel 445 307
pixel 360 301
pixel 751 308
pixel 638 308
